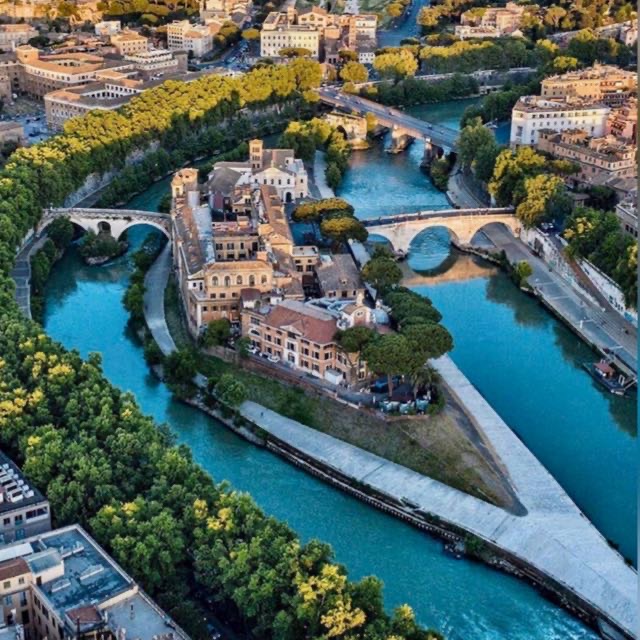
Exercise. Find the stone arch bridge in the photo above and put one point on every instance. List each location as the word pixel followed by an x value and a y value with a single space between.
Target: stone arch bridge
pixel 116 221
pixel 463 224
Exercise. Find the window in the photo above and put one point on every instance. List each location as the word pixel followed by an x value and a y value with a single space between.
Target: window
pixel 23 598
pixel 227 281
pixel 6 584
pixel 252 281
pixel 6 521
pixel 239 280
pixel 8 601
pixel 263 279
pixel 214 281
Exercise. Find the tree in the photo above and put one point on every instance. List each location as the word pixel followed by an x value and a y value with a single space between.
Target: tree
pixel 522 271
pixel 474 138
pixel 354 339
pixel 180 367
pixel 382 273
pixel 231 391
pixel 511 169
pixel 242 346
pixel 295 52
pixel 390 355
pixel 133 300
pixel 251 34
pixel 562 64
pixel 333 175
pixel 216 333
pixel 60 232
pixel 395 10
pixel 347 55
pixel 429 340
pixel 344 228
pixel 354 72
pixel 397 65
pixel 538 191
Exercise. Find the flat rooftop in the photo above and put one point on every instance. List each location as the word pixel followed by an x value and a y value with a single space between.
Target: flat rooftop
pixel 15 490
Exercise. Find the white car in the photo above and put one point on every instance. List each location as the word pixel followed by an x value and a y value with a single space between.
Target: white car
pixel 254 350
pixel 274 358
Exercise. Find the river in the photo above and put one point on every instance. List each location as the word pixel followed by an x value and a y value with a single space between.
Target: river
pixel 463 599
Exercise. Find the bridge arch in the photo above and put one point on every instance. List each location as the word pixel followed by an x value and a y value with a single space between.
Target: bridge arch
pixel 461 226
pixel 148 223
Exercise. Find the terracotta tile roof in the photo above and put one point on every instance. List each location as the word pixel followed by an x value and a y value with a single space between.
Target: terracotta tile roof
pixel 13 568
pixel 309 322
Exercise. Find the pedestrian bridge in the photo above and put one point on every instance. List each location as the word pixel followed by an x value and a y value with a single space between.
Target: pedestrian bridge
pixel 401 229
pixel 114 221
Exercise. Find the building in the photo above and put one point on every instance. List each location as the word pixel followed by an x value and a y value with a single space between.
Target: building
pixel 627 212
pixel 24 511
pixel 155 63
pixel 107 95
pixel 220 11
pixel 184 36
pixel 532 114
pixel 278 168
pixel 302 336
pixel 219 260
pixel 280 31
pixel 607 84
pixel 339 277
pixel 11 132
pixel 39 74
pixel 108 28
pixel 12 35
pixel 623 122
pixel 601 160
pixel 490 22
pixel 62 584
pixel 129 43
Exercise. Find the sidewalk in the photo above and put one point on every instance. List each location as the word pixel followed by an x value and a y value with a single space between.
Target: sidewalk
pixel 21 273
pixel 155 283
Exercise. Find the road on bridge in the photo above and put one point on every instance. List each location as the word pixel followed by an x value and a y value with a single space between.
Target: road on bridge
pixel 389 117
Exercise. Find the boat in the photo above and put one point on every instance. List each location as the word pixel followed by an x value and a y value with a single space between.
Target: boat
pixel 606 375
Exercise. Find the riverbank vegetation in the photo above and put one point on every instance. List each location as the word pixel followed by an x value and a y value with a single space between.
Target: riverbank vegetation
pixel 96 248
pixel 105 465
pixel 597 236
pixel 59 236
pixel 316 134
pixel 335 218
pixel 413 91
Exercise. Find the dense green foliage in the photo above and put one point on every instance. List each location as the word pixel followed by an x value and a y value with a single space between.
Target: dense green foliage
pixel 217 332
pixel 382 272
pixel 148 11
pixel 598 237
pixel 101 245
pixel 103 464
pixel 466 56
pixel 305 137
pixel 230 390
pixel 439 171
pixel 411 91
pixel 318 209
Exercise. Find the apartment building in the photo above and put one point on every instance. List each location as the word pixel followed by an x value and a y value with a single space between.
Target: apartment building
pixel 107 95
pixel 184 36
pixel 339 277
pixel 129 43
pixel 62 584
pixel 627 212
pixel 492 22
pixel 623 121
pixel 302 336
pixel 280 31
pixel 24 511
pixel 156 63
pixel 532 114
pixel 13 35
pixel 39 74
pixel 601 160
pixel 236 11
pixel 607 84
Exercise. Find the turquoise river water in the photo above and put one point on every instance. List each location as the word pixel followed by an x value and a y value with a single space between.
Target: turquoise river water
pixel 523 361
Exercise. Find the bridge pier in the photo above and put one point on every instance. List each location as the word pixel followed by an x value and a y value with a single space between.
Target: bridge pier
pixel 400 140
pixel 431 152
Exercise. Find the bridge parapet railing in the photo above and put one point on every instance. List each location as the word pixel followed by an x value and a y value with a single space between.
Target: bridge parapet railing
pixel 442 213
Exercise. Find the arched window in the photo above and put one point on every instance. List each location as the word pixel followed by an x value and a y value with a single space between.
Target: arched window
pixel 263 279
pixel 214 281
pixel 239 280
pixel 227 281
pixel 252 281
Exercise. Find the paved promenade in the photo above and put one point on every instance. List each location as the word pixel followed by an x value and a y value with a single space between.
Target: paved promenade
pixel 554 536
pixel 21 274
pixel 156 282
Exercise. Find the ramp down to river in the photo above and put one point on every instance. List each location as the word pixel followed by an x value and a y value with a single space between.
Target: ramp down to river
pixel 554 538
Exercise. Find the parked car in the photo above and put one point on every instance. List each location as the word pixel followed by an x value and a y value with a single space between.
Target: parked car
pixel 254 350
pixel 274 358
